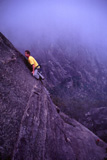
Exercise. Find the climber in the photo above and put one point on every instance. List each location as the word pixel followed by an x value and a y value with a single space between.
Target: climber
pixel 35 65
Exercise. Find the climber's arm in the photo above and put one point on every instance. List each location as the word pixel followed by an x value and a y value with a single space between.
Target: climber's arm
pixel 33 69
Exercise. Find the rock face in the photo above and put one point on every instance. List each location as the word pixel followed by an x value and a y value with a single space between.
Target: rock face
pixel 96 120
pixel 79 89
pixel 76 78
pixel 30 127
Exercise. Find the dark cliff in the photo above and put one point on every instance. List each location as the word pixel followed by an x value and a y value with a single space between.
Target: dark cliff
pixel 78 88
pixel 96 119
pixel 30 127
pixel 76 77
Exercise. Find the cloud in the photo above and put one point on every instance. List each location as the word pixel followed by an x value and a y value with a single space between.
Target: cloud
pixel 24 22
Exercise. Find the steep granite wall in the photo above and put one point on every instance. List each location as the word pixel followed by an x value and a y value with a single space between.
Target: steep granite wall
pixel 30 127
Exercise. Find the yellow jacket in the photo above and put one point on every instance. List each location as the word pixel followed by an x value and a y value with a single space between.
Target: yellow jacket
pixel 32 61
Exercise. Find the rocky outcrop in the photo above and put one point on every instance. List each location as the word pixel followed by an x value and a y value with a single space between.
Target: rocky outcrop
pixel 30 127
pixel 96 120
pixel 76 79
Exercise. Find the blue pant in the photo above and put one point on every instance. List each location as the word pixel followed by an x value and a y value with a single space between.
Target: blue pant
pixel 38 75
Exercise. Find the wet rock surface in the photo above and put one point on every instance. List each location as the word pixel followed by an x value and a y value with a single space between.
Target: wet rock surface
pixel 30 126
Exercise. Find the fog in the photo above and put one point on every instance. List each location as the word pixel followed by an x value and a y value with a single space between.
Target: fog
pixel 28 22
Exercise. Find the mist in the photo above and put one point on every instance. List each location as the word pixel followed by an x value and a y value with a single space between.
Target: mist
pixel 26 23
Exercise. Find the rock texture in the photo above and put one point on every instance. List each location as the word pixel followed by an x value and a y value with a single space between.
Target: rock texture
pixel 30 126
pixel 76 77
pixel 96 120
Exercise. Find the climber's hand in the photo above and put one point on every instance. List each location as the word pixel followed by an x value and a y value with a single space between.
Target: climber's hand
pixel 33 73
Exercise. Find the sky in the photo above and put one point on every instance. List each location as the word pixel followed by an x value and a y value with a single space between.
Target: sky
pixel 25 22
